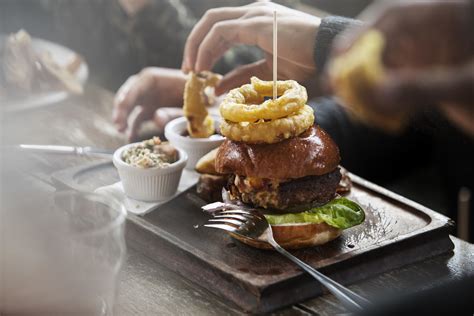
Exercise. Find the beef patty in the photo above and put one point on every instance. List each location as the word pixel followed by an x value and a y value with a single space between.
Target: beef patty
pixel 291 195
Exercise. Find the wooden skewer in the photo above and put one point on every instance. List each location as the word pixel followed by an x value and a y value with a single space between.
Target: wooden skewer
pixel 275 54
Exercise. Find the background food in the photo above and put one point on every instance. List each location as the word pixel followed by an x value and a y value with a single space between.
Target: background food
pixel 25 71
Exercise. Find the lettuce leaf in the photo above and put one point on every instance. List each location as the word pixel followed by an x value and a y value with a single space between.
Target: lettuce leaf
pixel 340 213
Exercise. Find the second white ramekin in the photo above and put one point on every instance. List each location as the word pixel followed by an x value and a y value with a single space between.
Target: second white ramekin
pixel 194 147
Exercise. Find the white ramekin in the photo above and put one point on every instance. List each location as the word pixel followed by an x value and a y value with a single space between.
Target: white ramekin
pixel 149 184
pixel 194 147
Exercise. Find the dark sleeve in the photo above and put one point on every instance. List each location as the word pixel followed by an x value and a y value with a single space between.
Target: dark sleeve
pixel 330 27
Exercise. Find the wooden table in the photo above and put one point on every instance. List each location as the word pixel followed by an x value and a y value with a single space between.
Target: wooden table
pixel 147 288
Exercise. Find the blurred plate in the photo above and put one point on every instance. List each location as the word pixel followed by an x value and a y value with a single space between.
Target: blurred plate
pixel 62 56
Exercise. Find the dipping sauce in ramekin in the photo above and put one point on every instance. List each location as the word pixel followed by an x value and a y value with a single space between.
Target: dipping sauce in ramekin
pixel 150 170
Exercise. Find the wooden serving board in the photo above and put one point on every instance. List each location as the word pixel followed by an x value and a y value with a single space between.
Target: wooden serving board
pixel 396 232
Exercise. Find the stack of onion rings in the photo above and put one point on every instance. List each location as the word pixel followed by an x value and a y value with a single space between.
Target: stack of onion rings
pixel 249 118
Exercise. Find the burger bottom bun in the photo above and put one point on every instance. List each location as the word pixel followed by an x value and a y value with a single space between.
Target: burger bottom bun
pixel 295 236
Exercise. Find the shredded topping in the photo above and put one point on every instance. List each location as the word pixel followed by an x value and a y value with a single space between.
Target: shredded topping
pixel 151 153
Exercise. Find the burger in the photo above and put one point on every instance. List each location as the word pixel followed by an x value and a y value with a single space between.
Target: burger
pixel 294 183
pixel 290 174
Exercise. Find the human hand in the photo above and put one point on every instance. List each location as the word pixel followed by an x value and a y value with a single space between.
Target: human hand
pixel 427 58
pixel 153 91
pixel 222 28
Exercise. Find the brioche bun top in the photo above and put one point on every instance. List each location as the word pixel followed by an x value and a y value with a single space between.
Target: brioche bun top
pixel 312 153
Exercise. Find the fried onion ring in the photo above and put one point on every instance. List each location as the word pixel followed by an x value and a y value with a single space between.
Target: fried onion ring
pixel 200 124
pixel 247 103
pixel 271 131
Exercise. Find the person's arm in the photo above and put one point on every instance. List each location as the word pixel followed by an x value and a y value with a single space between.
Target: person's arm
pixel 329 28
pixel 423 58
pixel 155 92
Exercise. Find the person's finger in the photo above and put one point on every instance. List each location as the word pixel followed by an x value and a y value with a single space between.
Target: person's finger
pixel 124 102
pixel 200 30
pixel 164 115
pixel 224 35
pixel 143 114
pixel 242 75
pixel 130 95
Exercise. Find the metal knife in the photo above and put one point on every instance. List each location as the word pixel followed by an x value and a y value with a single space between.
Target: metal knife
pixel 68 150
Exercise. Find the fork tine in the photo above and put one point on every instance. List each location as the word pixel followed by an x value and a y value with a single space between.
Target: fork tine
pixel 222 226
pixel 227 220
pixel 236 216
pixel 235 212
pixel 213 206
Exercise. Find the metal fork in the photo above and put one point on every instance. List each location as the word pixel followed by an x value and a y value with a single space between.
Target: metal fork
pixel 252 224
